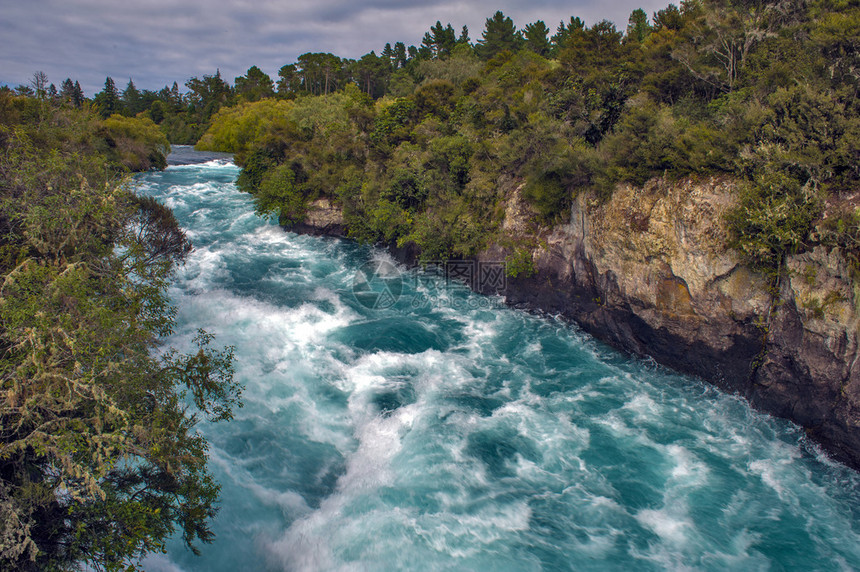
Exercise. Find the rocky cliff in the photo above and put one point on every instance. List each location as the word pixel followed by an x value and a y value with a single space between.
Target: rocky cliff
pixel 649 272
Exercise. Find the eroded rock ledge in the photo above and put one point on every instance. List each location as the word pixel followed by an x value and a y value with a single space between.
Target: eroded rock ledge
pixel 649 272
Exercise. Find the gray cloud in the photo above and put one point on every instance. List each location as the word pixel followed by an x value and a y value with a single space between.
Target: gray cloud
pixel 161 41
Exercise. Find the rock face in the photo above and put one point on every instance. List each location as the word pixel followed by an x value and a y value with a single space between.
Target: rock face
pixel 648 271
pixel 322 218
pixel 810 371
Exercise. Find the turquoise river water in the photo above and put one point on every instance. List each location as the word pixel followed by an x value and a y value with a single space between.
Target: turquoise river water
pixel 395 421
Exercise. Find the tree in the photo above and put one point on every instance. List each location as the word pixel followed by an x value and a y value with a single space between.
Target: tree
pixel 107 100
pixel 40 84
pixel 156 111
pixel 401 58
pixel 440 41
pixel 78 96
pixel 463 39
pixel 100 461
pixel 209 94
pixel 638 27
pixel 537 38
pixel 24 90
pixel 388 54
pixel 67 91
pixel 565 33
pixel 722 35
pixel 370 73
pixel 289 81
pixel 320 73
pixel 669 18
pixel 254 85
pixel 499 35
pixel 174 98
pixel 131 100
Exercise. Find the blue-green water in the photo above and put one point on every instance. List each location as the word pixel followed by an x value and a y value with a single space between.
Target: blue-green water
pixel 459 435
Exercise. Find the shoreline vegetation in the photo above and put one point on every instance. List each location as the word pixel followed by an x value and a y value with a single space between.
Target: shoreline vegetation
pixel 99 456
pixel 422 148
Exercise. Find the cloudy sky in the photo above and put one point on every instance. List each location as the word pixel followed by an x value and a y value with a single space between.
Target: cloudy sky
pixel 157 42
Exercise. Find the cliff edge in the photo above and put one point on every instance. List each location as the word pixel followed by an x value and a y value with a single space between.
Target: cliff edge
pixel 649 272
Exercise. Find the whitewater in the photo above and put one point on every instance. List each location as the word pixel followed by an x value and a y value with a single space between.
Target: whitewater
pixel 440 430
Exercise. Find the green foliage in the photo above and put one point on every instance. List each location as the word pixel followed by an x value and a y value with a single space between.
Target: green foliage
pixel 278 194
pixel 638 27
pixel 843 231
pixel 405 190
pixel 107 101
pixel 238 129
pixel 99 457
pixel 816 134
pixel 773 218
pixel 256 165
pixel 547 195
pixel 126 143
pixel 520 263
pixel 136 142
pixel 764 94
pixel 208 94
pixel 436 97
pixel 537 38
pixel 459 67
pixel 651 141
pixel 499 35
pixel 439 41
pixel 393 122
pixel 254 85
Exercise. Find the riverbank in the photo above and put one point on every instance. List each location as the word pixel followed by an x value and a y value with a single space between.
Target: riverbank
pixel 648 272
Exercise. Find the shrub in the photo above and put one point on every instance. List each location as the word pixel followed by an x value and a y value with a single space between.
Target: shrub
pixel 547 195
pixel 773 218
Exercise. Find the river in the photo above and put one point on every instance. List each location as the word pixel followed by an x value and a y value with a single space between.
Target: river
pixel 395 421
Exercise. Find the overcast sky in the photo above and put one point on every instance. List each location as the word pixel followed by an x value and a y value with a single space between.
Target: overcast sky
pixel 157 42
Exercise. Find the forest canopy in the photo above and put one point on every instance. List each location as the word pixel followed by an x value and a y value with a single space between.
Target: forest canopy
pixel 422 145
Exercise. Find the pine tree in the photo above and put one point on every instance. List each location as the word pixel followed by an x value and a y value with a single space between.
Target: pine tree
pixel 638 27
pixel 500 34
pixel 464 36
pixel 108 101
pixel 131 101
pixel 78 96
pixel 255 85
pixel 537 38
pixel 388 54
pixel 175 97
pixel 370 72
pixel 401 58
pixel 67 90
pixel 565 33
pixel 444 39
